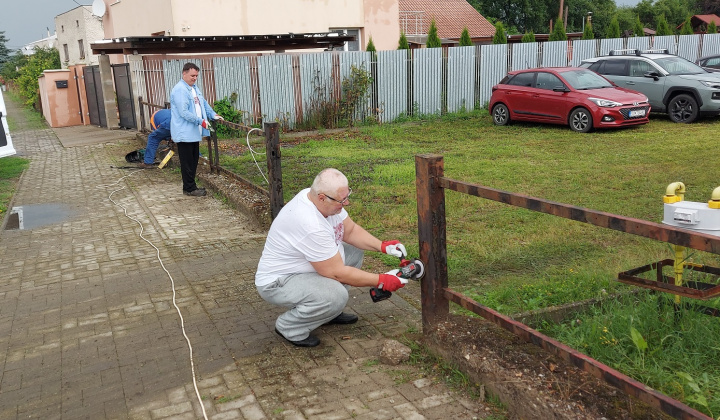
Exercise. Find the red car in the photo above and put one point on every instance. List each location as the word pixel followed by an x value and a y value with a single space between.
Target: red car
pixel 575 96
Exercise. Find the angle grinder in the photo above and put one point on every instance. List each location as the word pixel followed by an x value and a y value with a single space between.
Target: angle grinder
pixel 410 269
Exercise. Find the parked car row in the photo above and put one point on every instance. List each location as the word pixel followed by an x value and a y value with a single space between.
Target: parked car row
pixel 616 90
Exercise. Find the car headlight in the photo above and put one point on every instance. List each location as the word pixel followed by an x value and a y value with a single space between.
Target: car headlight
pixel 714 84
pixel 606 103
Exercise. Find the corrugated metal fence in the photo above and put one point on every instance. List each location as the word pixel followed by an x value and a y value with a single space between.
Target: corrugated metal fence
pixel 288 88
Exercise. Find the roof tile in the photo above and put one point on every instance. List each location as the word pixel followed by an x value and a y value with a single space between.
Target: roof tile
pixel 451 17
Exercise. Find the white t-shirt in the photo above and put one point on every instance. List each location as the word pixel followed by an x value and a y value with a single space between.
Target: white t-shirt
pixel 300 234
pixel 198 110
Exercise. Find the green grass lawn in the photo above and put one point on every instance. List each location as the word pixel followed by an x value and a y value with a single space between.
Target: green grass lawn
pixel 10 170
pixel 513 259
pixel 11 167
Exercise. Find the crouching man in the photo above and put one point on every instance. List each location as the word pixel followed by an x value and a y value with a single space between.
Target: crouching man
pixel 312 254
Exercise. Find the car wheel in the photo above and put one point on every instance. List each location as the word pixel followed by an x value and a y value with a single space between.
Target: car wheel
pixel 501 114
pixel 581 120
pixel 683 109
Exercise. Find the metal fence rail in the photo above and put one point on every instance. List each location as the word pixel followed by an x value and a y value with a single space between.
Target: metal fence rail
pixel 283 87
pixel 436 294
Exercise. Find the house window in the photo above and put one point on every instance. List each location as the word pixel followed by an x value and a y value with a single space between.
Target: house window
pixel 65 50
pixel 350 45
pixel 77 23
pixel 62 28
pixel 82 49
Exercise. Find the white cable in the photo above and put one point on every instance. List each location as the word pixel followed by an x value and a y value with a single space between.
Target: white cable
pixel 253 153
pixel 172 281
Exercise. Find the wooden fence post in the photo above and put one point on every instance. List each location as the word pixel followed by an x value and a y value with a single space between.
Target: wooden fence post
pixel 272 148
pixel 142 114
pixel 429 169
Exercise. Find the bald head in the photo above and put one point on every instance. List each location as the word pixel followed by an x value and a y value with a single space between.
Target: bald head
pixel 328 181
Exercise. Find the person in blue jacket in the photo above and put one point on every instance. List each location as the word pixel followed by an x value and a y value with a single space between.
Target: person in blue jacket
pixel 160 123
pixel 189 122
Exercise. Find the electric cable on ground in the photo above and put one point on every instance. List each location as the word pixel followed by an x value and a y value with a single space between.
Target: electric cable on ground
pixel 172 281
pixel 253 153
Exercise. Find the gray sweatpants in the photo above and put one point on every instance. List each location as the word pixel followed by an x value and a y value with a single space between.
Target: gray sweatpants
pixel 313 299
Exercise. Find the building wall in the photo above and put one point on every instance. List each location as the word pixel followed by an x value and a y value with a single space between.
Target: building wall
pixel 49 42
pixel 73 26
pixel 60 105
pixel 376 18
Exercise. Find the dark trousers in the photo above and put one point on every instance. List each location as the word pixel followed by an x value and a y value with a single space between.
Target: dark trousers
pixel 188 153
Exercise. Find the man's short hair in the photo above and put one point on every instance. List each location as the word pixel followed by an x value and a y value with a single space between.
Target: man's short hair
pixel 189 66
pixel 328 181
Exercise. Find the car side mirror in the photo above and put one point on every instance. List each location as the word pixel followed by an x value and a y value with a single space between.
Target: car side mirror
pixel 652 74
pixel 560 89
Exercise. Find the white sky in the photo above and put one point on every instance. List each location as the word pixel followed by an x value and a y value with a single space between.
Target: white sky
pixel 25 21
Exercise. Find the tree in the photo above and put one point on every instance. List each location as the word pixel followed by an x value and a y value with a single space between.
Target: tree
pixel 558 32
pixel 371 46
pixel 613 30
pixel 9 70
pixel 465 40
pixel 686 28
pixel 712 28
pixel 500 34
pixel 638 28
pixel 4 51
pixel 709 7
pixel 27 80
pixel 588 32
pixel 528 37
pixel 662 27
pixel 433 40
pixel 403 43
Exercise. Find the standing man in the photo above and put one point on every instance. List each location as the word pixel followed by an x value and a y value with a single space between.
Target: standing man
pixel 188 124
pixel 160 123
pixel 312 255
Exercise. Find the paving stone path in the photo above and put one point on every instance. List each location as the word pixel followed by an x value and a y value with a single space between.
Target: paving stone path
pixel 88 329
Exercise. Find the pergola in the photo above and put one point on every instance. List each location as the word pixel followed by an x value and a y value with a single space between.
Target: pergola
pixel 218 44
pixel 139 45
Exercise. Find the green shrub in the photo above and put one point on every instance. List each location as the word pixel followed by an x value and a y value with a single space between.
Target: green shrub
pixel 433 40
pixel 226 108
pixel 500 36
pixel 465 40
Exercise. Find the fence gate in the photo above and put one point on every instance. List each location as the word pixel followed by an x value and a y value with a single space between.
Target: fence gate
pixel 123 89
pixel 93 90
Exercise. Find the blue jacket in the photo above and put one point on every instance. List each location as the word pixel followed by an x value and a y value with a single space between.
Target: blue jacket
pixel 160 119
pixel 184 124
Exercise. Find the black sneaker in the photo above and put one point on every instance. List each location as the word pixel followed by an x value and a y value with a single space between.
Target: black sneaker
pixel 310 341
pixel 196 193
pixel 343 319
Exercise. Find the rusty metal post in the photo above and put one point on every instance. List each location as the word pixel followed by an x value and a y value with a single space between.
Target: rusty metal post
pixel 272 148
pixel 429 169
pixel 142 113
pixel 211 140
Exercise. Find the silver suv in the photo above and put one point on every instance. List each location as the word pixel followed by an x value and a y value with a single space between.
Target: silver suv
pixel 672 84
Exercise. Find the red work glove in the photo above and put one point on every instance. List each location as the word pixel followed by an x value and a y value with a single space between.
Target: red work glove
pixel 205 124
pixel 393 247
pixel 390 282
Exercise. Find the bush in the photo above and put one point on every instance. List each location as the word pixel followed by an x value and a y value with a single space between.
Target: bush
pixel 500 36
pixel 433 40
pixel 27 79
pixel 465 40
pixel 226 108
pixel 558 32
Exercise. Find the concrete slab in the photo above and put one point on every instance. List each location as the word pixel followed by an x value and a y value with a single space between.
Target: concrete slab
pixel 87 135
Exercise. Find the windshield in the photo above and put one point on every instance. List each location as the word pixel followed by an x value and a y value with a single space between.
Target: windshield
pixel 585 79
pixel 677 65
